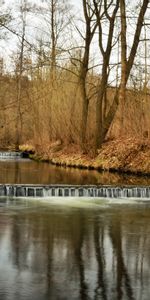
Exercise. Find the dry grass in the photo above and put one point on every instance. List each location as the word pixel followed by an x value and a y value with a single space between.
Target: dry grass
pixel 52 111
pixel 125 155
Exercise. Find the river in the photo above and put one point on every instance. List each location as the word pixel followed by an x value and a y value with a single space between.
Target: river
pixel 71 249
pixel 74 250
pixel 24 171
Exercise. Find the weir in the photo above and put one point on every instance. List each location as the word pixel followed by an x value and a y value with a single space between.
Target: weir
pixel 94 191
pixel 10 155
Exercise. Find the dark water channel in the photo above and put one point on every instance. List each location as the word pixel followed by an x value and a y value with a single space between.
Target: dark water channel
pixel 73 250
pixel 28 171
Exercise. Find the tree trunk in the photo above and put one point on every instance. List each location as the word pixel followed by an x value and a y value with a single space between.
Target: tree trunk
pixel 53 41
pixel 123 60
pixel 106 52
pixel 19 81
pixel 83 97
pixel 99 112
pixel 126 66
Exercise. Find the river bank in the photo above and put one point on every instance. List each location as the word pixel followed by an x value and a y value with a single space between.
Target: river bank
pixel 130 156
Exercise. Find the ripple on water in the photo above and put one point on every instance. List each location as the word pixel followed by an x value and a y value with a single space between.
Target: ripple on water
pixel 74 249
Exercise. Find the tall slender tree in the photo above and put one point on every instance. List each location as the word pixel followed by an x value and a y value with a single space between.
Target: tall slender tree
pixel 23 11
pixel 110 12
pixel 126 66
pixel 81 93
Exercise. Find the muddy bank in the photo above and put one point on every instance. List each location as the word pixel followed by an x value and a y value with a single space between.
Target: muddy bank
pixel 130 156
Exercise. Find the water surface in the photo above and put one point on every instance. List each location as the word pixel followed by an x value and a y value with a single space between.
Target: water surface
pixel 27 171
pixel 74 249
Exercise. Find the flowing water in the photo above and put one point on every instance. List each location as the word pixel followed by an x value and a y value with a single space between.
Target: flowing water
pixel 65 248
pixel 74 249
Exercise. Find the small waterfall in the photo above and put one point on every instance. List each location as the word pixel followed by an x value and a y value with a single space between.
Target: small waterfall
pixel 10 155
pixel 19 190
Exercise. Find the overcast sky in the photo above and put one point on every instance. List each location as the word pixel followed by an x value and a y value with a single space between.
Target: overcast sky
pixel 6 48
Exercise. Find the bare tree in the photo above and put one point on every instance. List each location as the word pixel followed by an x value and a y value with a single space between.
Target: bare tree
pixel 81 90
pixel 23 10
pixel 126 66
pixel 55 16
pixel 106 54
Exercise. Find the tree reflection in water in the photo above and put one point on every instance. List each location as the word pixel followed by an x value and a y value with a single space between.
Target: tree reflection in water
pixel 78 249
pixel 122 273
pixel 27 171
pixel 101 289
pixel 49 252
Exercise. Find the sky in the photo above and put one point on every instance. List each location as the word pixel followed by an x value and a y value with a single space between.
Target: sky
pixel 7 48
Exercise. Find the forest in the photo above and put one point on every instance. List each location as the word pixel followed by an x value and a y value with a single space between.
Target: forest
pixel 74 79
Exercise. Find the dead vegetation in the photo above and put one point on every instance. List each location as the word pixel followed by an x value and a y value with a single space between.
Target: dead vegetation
pixel 129 155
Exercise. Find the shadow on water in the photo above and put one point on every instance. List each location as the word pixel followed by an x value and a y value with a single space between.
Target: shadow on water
pixel 57 252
